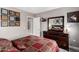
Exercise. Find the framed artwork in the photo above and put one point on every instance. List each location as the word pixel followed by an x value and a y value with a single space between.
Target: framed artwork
pixel 4 23
pixel 17 13
pixel 4 17
pixel 9 18
pixel 11 13
pixel 73 17
pixel 17 18
pixel 12 18
pixel 4 11
pixel 17 23
pixel 11 23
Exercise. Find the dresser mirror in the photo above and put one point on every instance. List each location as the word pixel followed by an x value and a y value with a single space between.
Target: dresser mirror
pixel 56 23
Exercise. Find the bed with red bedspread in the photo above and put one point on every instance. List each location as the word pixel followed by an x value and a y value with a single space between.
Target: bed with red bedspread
pixel 6 46
pixel 36 44
pixel 29 44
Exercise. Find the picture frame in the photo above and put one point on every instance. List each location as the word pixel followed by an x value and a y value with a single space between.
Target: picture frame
pixel 12 18
pixel 17 23
pixel 17 13
pixel 17 18
pixel 4 23
pixel 11 13
pixel 4 11
pixel 4 17
pixel 11 23
pixel 56 22
pixel 9 18
pixel 73 17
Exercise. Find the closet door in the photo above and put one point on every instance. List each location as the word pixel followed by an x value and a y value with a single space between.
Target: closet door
pixel 36 26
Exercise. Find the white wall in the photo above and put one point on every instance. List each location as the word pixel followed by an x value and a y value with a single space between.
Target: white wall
pixel 73 28
pixel 16 32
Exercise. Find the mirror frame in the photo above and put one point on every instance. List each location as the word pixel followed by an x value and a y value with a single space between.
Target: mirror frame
pixel 57 25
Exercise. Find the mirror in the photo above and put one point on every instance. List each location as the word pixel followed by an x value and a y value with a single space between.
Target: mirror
pixel 56 23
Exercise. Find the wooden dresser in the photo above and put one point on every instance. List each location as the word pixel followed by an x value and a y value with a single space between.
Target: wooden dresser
pixel 61 38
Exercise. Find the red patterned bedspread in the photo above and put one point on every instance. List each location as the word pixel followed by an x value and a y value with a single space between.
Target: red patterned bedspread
pixel 36 44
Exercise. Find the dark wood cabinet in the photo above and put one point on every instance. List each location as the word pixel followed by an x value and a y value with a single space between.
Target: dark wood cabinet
pixel 61 38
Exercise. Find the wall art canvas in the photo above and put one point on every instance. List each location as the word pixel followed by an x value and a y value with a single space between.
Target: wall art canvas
pixel 73 17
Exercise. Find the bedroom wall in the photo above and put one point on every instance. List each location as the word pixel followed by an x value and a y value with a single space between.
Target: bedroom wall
pixel 16 32
pixel 73 28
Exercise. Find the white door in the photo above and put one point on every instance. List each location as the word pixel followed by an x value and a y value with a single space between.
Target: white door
pixel 36 26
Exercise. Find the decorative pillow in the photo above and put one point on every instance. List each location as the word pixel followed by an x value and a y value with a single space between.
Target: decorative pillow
pixel 39 44
pixel 6 45
pixel 18 44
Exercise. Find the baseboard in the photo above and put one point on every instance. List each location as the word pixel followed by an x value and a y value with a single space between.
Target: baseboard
pixel 74 48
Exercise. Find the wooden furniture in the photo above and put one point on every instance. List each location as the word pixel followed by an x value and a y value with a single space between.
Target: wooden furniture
pixel 60 37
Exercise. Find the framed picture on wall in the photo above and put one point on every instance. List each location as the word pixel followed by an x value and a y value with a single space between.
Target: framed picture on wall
pixel 11 23
pixel 4 11
pixel 4 17
pixel 17 13
pixel 11 13
pixel 73 17
pixel 9 18
pixel 17 23
pixel 4 23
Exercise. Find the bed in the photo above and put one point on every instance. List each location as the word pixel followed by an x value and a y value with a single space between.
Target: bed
pixel 35 44
pixel 29 44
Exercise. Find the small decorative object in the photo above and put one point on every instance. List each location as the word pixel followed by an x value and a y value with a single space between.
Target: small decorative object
pixel 73 17
pixel 43 19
